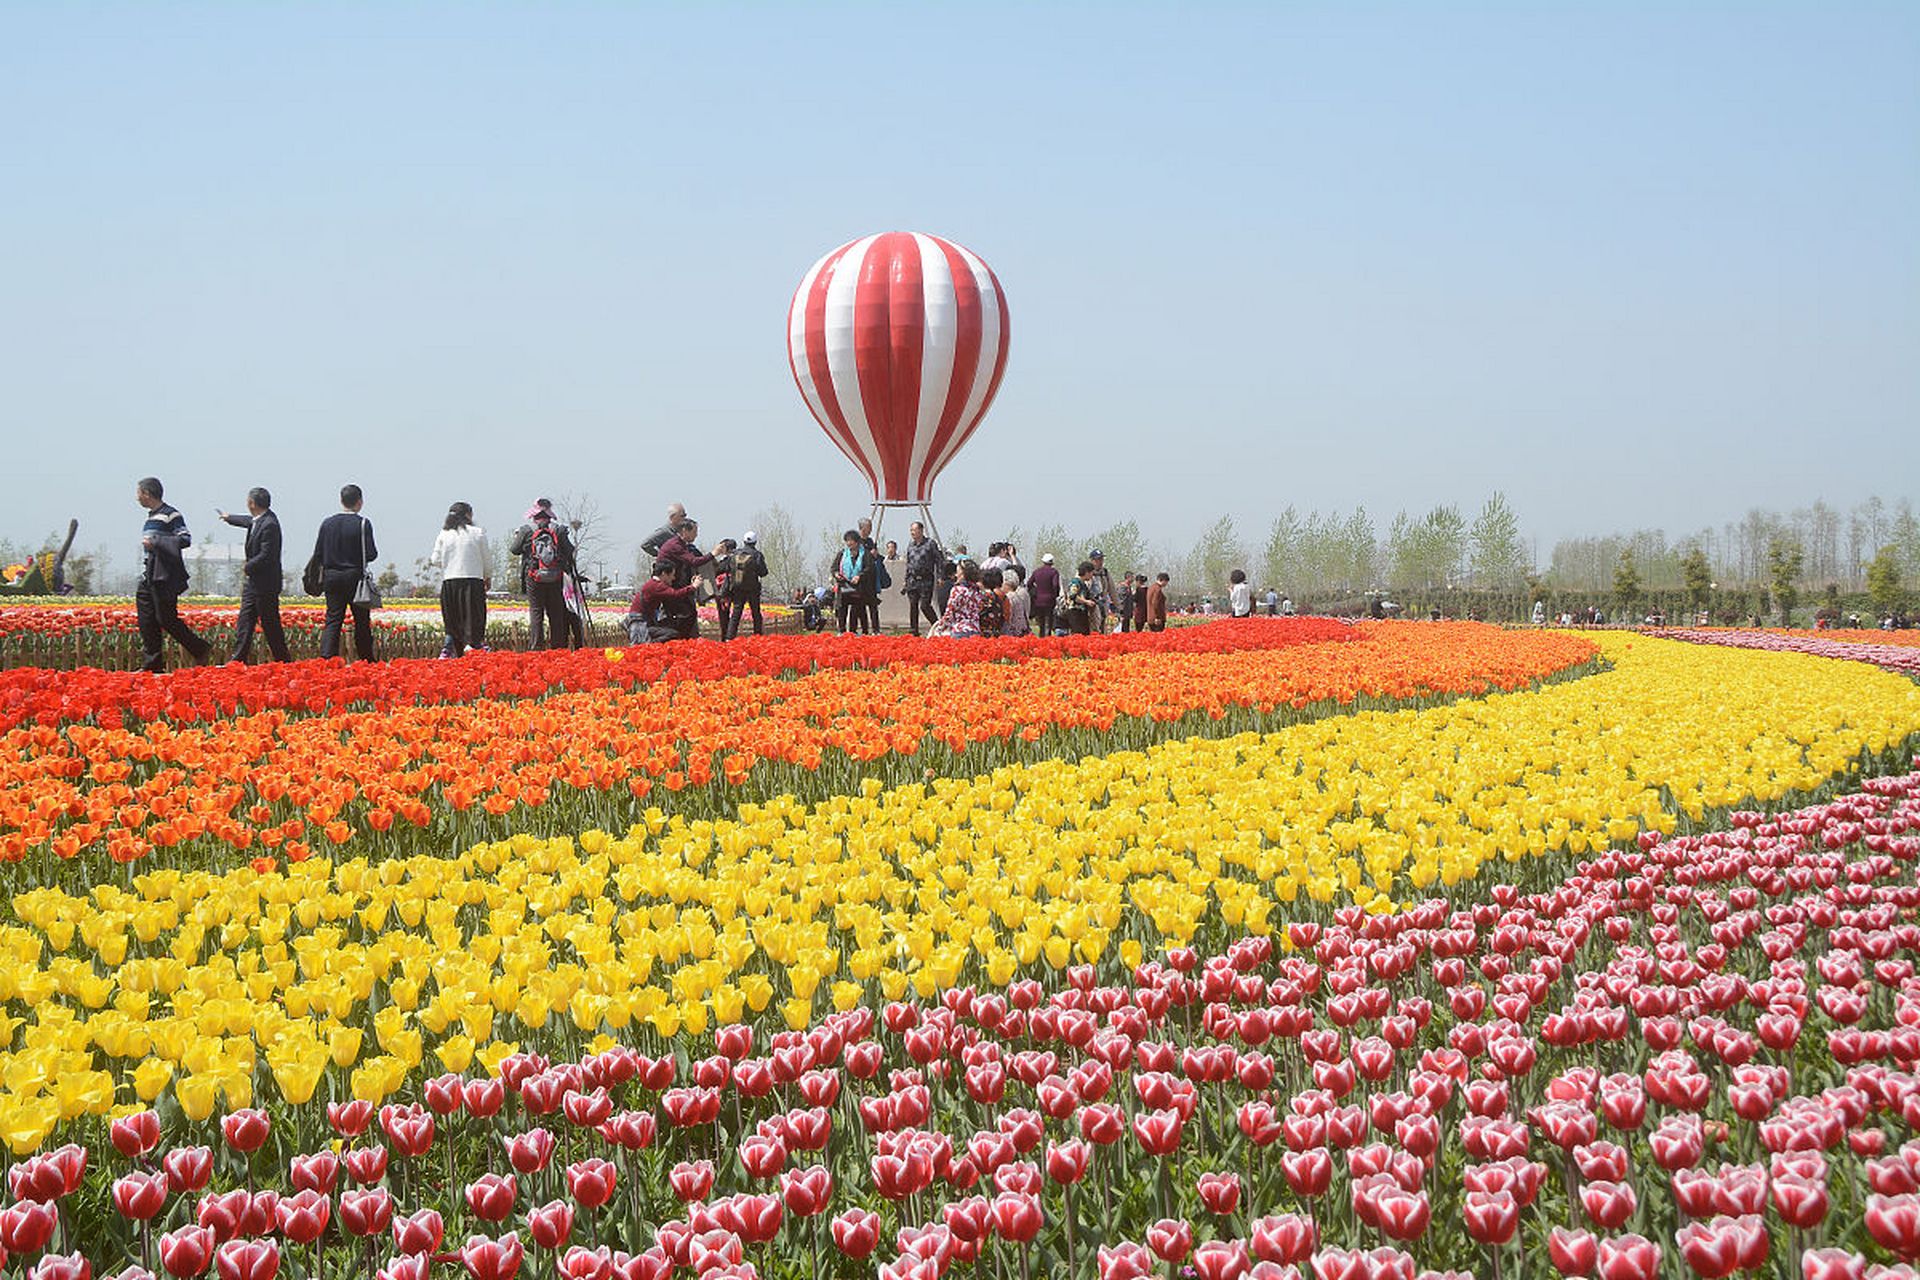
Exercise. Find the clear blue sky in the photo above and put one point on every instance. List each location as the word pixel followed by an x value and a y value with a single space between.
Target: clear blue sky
pixel 1634 264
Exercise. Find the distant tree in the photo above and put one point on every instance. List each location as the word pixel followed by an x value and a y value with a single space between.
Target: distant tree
pixel 1216 553
pixel 1498 556
pixel 781 543
pixel 389 580
pixel 1784 558
pixel 580 512
pixel 1360 551
pixel 1125 547
pixel 1699 578
pixel 1280 558
pixel 1883 582
pixel 1626 583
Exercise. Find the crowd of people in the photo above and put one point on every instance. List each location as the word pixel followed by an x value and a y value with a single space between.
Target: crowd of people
pixel 340 572
pixel 954 593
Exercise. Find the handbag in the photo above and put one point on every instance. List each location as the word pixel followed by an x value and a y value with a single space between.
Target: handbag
pixel 364 591
pixel 310 579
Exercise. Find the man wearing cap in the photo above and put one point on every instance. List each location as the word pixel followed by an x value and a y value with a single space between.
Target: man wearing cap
pixel 545 549
pixel 1043 590
pixel 1102 588
pixel 749 570
pixel 923 570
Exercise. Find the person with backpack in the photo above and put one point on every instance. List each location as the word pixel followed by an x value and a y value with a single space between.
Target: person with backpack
pixel 163 576
pixel 546 558
pixel 747 572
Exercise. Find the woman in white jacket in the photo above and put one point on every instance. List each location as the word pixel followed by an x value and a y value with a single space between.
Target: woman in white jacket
pixel 460 553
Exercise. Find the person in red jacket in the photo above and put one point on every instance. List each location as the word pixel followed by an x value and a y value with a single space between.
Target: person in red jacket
pixel 661 611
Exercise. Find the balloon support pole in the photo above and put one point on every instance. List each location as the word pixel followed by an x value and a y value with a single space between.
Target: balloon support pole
pixel 879 517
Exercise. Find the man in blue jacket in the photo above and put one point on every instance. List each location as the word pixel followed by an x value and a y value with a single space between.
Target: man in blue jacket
pixel 163 576
pixel 260 594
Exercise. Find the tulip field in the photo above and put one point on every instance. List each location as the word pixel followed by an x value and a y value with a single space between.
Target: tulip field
pixel 1269 949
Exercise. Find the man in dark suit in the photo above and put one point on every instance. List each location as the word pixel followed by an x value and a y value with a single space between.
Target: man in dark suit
pixel 342 551
pixel 260 593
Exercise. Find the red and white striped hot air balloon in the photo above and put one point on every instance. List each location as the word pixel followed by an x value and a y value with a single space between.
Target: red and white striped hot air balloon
pixel 898 342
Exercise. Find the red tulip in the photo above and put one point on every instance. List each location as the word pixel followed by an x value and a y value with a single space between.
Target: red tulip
pixel 691 1180
pixel 1608 1204
pixel 763 1157
pixel 187 1168
pixel 588 1110
pixel 734 1042
pixel 856 1232
pixel 418 1234
pixel 1893 1222
pixel 491 1196
pixel 1170 1239
pixel 1719 1247
pixel 1158 1132
pixel 587 1264
pixel 366 1165
pixel 807 1191
pixel 247 1260
pixel 1219 1192
pixel 487 1259
pixel 1629 1257
pixel 408 1128
pixel 303 1216
pixel 245 1131
pixel 135 1135
pixel 55 1266
pixel 1573 1253
pixel 1102 1123
pixel 25 1228
pixel 1308 1173
pixel 444 1094
pixel 1284 1238
pixel 1067 1161
pixel 590 1182
pixel 1220 1260
pixel 1491 1217
pixel 529 1152
pixel 140 1196
pixel 551 1224
pixel 366 1213
pixel 483 1098
pixel 187 1252
pixel 1016 1216
pixel 1125 1262
pixel 1832 1264
pixel 350 1119
pixel 317 1172
pixel 1802 1202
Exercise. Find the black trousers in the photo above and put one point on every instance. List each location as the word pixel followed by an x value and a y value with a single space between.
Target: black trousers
pixel 262 606
pixel 158 610
pixel 1043 620
pixel 735 606
pixel 339 602
pixel 1126 616
pixel 1079 622
pixel 920 600
pixel 463 608
pixel 547 625
pixel 850 611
